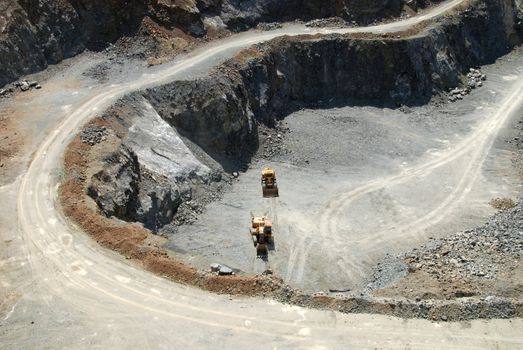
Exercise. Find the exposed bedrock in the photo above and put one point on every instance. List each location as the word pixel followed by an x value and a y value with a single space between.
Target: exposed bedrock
pixel 239 14
pixel 219 113
pixel 340 70
pixel 154 171
pixel 215 113
pixel 36 33
pixel 151 173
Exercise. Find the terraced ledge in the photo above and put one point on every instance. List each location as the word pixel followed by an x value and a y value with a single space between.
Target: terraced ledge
pixel 278 75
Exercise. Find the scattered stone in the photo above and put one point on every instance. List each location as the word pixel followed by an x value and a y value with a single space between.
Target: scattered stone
pixel 225 271
pixel 269 26
pixel 474 81
pixel 24 86
pixel 215 267
pixel 93 134
pixel 235 174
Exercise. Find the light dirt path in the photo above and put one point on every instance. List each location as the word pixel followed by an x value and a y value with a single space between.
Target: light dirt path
pixel 67 292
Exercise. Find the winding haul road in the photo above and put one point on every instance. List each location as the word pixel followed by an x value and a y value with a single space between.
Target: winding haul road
pixel 62 290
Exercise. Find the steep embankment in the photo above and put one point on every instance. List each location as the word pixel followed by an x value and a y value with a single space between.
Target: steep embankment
pixel 220 113
pixel 271 80
pixel 36 33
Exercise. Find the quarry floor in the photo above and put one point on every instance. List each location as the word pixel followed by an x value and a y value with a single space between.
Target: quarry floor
pixel 60 289
pixel 357 183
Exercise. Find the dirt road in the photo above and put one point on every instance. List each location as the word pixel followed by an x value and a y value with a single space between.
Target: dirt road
pixel 61 290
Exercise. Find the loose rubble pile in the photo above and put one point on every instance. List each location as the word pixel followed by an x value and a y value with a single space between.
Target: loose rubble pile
pixel 474 254
pixel 271 141
pixel 330 22
pixel 474 80
pixel 93 134
pixel 188 212
pixel 269 26
pixel 22 85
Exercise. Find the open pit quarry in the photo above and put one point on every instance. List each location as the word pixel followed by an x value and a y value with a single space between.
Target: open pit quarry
pixel 132 139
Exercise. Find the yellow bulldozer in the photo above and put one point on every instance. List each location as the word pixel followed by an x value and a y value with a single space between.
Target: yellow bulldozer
pixel 261 233
pixel 268 182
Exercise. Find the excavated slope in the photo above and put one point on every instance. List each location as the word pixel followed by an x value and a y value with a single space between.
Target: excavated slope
pixel 220 113
pixel 36 33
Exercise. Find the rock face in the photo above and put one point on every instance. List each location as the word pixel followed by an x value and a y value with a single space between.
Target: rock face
pixel 214 113
pixel 336 70
pixel 151 173
pixel 243 14
pixel 36 33
pixel 220 113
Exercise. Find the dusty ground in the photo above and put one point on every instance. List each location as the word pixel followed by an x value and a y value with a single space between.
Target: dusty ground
pixel 403 171
pixel 55 278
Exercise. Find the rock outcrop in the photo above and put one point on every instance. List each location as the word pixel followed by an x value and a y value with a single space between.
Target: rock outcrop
pixel 214 113
pixel 151 173
pixel 36 33
pixel 220 112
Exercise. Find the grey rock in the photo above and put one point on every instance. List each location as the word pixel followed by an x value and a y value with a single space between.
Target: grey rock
pixel 215 267
pixel 24 86
pixel 225 270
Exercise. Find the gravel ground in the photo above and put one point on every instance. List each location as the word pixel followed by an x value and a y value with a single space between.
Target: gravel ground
pixel 482 261
pixel 326 242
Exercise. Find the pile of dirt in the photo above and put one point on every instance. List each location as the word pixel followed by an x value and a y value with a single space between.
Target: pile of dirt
pixel 502 203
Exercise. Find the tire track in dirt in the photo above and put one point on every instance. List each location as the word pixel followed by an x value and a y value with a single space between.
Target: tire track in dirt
pixel 476 146
pixel 92 280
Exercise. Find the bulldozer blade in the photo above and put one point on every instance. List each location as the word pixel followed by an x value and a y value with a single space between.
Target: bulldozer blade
pixel 270 192
pixel 261 250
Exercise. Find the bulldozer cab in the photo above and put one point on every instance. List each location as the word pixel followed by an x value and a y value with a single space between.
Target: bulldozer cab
pixel 257 222
pixel 268 174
